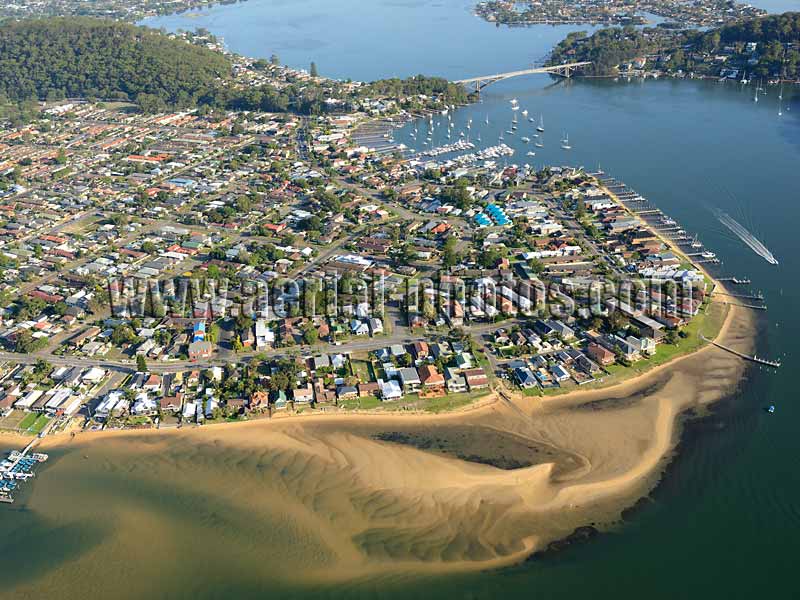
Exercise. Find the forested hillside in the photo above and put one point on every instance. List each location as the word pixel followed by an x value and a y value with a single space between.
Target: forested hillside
pixel 83 57
pixel 776 53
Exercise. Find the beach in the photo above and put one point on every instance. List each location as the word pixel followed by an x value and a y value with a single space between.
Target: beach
pixel 354 497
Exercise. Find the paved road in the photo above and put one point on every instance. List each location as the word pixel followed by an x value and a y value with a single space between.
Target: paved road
pixel 364 345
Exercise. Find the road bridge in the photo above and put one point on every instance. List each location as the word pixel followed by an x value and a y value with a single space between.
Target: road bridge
pixel 566 70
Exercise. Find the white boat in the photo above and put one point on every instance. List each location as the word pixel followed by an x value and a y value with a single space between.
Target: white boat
pixel 509 132
pixel 514 105
pixel 525 113
pixel 531 153
pixel 525 139
pixel 696 243
pixel 708 254
pixel 565 143
pixel 541 123
pixel 539 144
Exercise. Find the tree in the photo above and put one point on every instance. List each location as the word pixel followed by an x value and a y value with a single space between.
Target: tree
pixel 237 344
pixel 61 157
pixel 85 57
pixel 450 256
pixel 313 71
pixel 212 335
pixel 310 334
pixel 141 363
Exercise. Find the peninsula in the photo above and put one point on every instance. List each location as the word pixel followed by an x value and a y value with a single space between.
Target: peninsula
pixel 706 13
pixel 423 361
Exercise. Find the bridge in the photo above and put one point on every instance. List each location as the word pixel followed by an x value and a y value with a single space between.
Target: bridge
pixel 564 70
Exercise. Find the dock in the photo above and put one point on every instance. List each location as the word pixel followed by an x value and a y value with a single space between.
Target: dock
pixel 758 296
pixel 761 361
pixel 18 468
pixel 735 280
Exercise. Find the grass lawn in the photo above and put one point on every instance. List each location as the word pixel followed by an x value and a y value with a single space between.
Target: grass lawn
pixel 449 401
pixel 29 419
pixel 12 420
pixel 39 424
pixel 365 403
pixel 361 369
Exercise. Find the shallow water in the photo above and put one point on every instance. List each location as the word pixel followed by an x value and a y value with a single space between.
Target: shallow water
pixel 724 522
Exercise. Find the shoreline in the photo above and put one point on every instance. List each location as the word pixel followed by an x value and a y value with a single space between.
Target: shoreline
pixel 596 495
pixel 481 404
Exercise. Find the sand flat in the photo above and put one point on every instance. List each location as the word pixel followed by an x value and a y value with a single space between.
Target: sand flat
pixel 328 494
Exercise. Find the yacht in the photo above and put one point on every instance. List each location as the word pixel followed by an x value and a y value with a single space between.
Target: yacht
pixel 565 143
pixel 708 254
pixel 539 143
pixel 525 139
pixel 531 153
pixel 525 113
pixel 541 124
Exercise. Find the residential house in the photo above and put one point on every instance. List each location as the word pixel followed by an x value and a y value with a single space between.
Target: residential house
pixel 476 378
pixel 598 353
pixel 432 381
pixel 410 380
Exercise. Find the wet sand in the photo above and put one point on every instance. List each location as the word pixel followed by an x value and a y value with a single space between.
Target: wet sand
pixel 355 497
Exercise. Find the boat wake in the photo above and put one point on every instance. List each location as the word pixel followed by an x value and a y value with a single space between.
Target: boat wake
pixel 748 238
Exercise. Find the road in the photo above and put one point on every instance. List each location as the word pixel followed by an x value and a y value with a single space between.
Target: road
pixel 363 345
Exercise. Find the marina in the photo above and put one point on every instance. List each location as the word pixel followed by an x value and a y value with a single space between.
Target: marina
pixel 665 226
pixel 16 469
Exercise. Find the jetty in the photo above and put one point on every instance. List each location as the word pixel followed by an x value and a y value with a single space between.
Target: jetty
pixel 17 468
pixel 754 358
pixel 735 280
pixel 758 296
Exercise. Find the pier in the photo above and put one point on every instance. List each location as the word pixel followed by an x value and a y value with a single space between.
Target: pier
pixel 761 361
pixel 735 280
pixel 758 296
pixel 17 468
pixel 743 305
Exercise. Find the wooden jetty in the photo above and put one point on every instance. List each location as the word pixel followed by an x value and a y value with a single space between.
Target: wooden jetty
pixel 758 296
pixel 761 361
